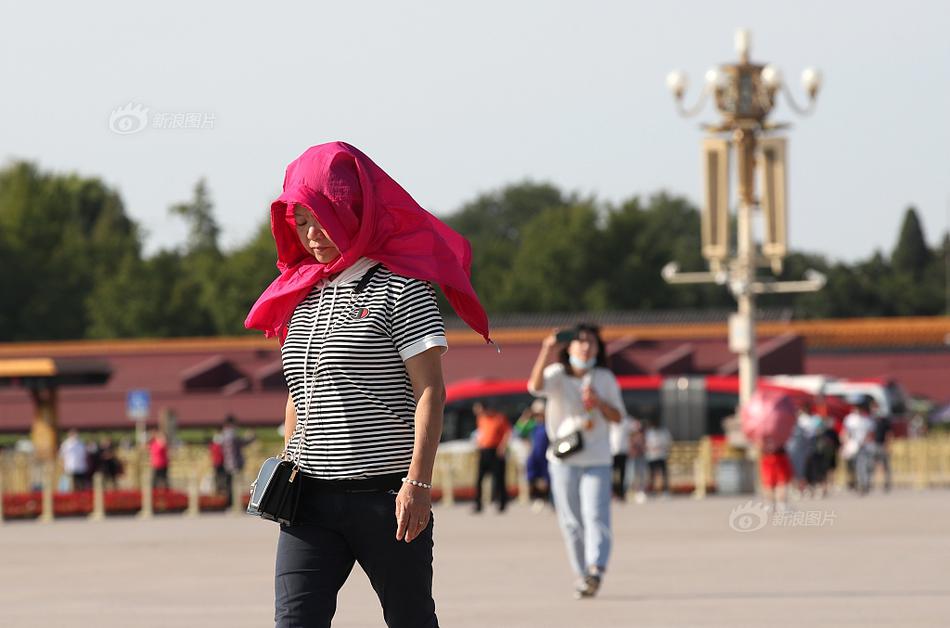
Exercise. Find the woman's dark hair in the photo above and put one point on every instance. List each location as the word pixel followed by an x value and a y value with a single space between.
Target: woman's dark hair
pixel 594 331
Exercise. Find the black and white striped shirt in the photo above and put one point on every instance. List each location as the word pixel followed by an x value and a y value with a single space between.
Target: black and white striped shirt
pixel 357 404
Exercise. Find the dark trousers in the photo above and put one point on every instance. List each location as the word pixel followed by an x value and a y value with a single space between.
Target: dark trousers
pixel 619 479
pixel 81 481
pixel 539 488
pixel 490 462
pixel 160 477
pixel 658 467
pixel 227 479
pixel 315 556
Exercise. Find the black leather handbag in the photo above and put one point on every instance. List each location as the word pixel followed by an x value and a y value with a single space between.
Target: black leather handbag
pixel 568 445
pixel 276 491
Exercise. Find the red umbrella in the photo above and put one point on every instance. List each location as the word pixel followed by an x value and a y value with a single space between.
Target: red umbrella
pixel 768 419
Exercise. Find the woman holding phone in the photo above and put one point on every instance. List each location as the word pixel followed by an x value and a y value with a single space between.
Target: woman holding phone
pixel 583 397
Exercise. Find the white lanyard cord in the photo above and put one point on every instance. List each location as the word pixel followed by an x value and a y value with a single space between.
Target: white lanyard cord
pixel 309 396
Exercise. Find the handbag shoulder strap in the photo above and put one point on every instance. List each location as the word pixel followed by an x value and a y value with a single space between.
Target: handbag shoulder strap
pixel 365 279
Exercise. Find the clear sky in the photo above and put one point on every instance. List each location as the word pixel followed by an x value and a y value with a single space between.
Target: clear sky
pixel 453 99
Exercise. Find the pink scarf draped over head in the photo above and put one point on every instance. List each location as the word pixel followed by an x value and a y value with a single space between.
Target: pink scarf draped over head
pixel 366 214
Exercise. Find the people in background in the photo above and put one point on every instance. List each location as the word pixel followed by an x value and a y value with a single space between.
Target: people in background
pixel 879 453
pixel 75 459
pixel 531 426
pixel 583 398
pixel 216 454
pixel 158 459
pixel 858 439
pixel 800 445
pixel 638 462
pixel 824 459
pixel 619 450
pixel 657 443
pixel 493 431
pixel 109 463
pixel 775 473
pixel 232 448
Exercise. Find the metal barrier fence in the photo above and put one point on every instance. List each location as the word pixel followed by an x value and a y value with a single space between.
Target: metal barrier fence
pixel 915 463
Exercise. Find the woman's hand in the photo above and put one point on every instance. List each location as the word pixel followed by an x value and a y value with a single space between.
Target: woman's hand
pixel 413 509
pixel 549 348
pixel 590 398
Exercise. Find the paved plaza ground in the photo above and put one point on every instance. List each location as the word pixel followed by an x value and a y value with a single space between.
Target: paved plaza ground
pixel 883 560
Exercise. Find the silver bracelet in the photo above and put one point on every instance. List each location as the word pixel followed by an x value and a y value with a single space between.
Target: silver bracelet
pixel 416 483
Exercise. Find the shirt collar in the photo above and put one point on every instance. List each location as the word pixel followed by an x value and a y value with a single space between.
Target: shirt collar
pixel 352 273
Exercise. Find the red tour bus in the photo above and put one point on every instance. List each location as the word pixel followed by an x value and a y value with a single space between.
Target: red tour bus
pixel 690 406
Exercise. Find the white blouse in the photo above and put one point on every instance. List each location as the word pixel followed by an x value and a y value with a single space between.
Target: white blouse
pixel 565 412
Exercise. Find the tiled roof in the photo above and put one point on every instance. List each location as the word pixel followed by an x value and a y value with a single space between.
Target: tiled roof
pixel 606 319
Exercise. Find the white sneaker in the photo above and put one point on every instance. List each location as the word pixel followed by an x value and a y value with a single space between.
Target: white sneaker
pixel 640 497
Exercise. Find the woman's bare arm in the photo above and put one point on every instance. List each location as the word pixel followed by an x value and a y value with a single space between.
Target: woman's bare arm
pixel 290 420
pixel 549 347
pixel 414 504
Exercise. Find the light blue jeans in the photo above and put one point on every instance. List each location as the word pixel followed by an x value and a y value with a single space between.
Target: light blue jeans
pixel 582 500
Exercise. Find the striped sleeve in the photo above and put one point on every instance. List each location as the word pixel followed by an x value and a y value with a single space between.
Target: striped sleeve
pixel 416 323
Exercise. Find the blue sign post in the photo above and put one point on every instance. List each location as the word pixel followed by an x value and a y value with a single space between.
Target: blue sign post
pixel 137 405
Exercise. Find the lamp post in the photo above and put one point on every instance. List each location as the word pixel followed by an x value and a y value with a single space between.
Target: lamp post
pixel 744 94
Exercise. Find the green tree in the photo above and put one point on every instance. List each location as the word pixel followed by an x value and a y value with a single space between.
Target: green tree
pixel 639 239
pixel 246 272
pixel 911 254
pixel 198 213
pixel 60 234
pixel 73 266
pixel 494 224
pixel 554 269
pixel 201 268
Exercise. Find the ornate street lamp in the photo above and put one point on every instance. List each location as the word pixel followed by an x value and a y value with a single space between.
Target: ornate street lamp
pixel 744 93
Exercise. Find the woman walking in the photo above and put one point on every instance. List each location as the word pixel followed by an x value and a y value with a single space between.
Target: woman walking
pixel 361 343
pixel 583 397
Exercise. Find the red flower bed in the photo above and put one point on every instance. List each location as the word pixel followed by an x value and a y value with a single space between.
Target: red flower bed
pixel 79 503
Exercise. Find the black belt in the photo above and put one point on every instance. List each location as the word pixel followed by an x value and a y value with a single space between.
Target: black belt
pixel 374 484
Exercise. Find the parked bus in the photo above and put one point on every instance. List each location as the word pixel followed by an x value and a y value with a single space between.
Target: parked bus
pixel 690 406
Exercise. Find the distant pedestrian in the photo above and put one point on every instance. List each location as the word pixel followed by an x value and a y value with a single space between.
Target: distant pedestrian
pixel 638 462
pixel 216 456
pixel 880 445
pixel 583 398
pixel 493 431
pixel 799 446
pixel 75 461
pixel 158 459
pixel 619 450
pixel 531 424
pixel 775 473
pixel 109 463
pixel 858 444
pixel 658 444
pixel 824 458
pixel 232 450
